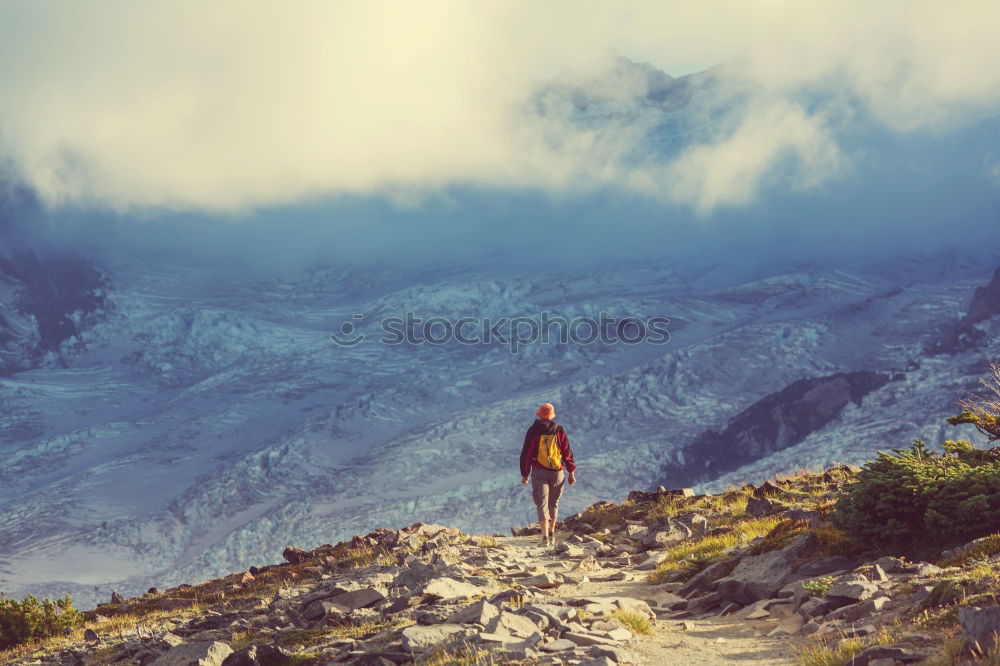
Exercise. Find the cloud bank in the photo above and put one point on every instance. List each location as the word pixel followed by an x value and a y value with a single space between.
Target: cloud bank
pixel 232 105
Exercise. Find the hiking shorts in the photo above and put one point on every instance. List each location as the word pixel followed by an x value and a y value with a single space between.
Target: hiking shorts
pixel 546 489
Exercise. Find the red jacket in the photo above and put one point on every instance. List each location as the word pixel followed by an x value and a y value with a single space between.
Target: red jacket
pixel 529 452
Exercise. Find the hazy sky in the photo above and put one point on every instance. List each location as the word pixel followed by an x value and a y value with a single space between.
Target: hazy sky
pixel 228 106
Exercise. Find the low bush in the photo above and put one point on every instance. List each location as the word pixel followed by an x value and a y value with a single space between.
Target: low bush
pixel 31 619
pixel 913 499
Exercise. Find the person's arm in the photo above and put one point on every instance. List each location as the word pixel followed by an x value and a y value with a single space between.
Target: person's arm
pixel 567 456
pixel 526 457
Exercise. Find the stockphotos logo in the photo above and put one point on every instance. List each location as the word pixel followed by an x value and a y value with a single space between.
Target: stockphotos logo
pixel 512 332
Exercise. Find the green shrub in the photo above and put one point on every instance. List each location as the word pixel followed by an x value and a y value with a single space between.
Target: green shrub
pixel 23 621
pixel 914 498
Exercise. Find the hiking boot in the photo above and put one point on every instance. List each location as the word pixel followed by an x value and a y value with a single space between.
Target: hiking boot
pixel 551 541
pixel 545 541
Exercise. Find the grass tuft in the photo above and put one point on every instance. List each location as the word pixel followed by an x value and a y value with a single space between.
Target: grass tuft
pixel 635 621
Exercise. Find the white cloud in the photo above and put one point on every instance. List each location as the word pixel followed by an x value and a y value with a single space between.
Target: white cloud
pixel 234 104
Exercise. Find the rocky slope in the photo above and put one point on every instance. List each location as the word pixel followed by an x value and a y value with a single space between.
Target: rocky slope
pixel 666 577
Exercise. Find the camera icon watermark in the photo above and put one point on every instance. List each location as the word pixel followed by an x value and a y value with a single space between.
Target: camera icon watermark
pixel 512 332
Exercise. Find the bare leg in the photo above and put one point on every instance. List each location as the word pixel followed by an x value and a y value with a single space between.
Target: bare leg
pixel 552 527
pixel 545 528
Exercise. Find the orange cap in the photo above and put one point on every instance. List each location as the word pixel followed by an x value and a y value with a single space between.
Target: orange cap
pixel 545 411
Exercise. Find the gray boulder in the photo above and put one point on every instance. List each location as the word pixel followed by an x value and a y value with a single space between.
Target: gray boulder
pixel 858 590
pixel 706 579
pixel 258 655
pixel 418 638
pixel 449 588
pixel 759 577
pixel 828 565
pixel 202 653
pixel 981 624
pixel 481 612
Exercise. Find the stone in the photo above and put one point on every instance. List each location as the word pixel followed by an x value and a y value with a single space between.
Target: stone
pixel 599 661
pixel 820 606
pixel 449 588
pixel 779 611
pixel 569 550
pixel 363 598
pixel 202 653
pixel 858 590
pixel 810 628
pixel 667 600
pixel 247 578
pixel 560 645
pixel 759 577
pixel 855 612
pixel 920 594
pixel 893 653
pixel 980 624
pixel 827 565
pixel 705 580
pixel 704 603
pixel 619 634
pixel 652 561
pixel 588 563
pixel 614 653
pixel 513 624
pixel 890 564
pixel 294 555
pixel 790 625
pixel 697 523
pixel 417 638
pixel 116 598
pixel 481 612
pixel 258 655
pixel 665 533
pixel 544 581
pixel 585 639
pixel 758 507
pixel 922 569
pixel 757 614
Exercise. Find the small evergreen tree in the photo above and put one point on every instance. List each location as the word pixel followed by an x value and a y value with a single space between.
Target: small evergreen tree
pixel 30 619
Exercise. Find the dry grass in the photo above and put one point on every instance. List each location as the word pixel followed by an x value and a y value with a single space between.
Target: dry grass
pixel 635 621
pixel 690 557
pixel 464 655
pixel 839 651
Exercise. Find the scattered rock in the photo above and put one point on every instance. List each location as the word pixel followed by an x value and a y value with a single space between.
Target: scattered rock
pixel 117 598
pixel 481 612
pixel 761 576
pixel 828 565
pixel 981 624
pixel 544 581
pixel 892 653
pixel 560 645
pixel 295 555
pixel 258 655
pixel 858 590
pixel 449 589
pixel 418 638
pixel 790 625
pixel 202 653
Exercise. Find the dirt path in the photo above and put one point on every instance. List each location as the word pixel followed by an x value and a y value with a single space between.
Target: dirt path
pixel 715 640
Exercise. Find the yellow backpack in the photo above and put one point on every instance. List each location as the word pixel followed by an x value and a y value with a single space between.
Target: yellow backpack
pixel 548 451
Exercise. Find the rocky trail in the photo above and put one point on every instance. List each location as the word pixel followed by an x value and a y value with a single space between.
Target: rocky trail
pixel 705 641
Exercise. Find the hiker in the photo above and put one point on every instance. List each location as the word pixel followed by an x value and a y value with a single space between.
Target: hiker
pixel 545 455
